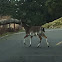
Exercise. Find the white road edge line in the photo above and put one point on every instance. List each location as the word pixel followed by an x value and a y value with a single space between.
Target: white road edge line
pixel 3 36
pixel 53 30
pixel 19 32
pixel 12 34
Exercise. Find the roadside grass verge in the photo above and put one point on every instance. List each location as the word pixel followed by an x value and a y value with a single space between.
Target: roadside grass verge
pixel 55 24
pixel 9 33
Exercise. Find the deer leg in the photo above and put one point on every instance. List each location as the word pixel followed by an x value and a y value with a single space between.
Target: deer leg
pixel 46 39
pixel 40 41
pixel 30 40
pixel 24 39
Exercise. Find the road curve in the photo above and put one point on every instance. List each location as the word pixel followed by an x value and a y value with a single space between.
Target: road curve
pixel 12 48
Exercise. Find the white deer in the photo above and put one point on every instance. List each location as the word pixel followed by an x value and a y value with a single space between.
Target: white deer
pixel 34 31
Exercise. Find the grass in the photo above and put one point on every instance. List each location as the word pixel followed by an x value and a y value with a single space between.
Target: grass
pixel 21 31
pixel 55 24
pixel 8 33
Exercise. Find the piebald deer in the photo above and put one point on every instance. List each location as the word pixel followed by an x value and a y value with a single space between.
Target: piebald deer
pixel 34 31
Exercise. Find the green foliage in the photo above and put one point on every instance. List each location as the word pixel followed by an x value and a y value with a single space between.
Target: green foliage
pixel 54 8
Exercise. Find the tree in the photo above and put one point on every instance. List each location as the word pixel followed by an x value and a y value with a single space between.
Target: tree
pixel 36 12
pixel 54 8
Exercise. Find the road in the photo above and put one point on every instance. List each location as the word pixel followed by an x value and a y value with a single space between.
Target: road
pixel 12 48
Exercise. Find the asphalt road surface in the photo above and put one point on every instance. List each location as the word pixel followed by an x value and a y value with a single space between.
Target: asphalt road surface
pixel 12 48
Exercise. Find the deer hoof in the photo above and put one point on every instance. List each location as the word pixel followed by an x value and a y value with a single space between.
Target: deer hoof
pixel 48 46
pixel 24 43
pixel 29 45
pixel 37 46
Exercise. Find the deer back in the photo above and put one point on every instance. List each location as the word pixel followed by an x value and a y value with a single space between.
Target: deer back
pixel 34 29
